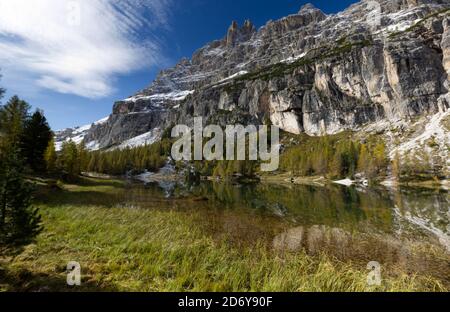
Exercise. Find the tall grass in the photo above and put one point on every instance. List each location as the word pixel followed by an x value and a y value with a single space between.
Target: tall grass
pixel 131 249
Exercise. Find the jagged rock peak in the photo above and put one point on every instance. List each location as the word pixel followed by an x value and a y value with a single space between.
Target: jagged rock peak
pixel 234 26
pixel 307 7
pixel 353 74
pixel 236 34
pixel 248 25
pixel 310 10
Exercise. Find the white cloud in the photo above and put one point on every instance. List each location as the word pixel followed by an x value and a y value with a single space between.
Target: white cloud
pixel 79 46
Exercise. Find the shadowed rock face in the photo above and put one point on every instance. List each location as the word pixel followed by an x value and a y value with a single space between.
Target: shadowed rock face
pixel 308 72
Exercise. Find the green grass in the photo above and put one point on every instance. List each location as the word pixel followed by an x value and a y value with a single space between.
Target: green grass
pixel 131 249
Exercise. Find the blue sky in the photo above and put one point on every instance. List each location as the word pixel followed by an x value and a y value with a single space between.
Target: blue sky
pixel 76 72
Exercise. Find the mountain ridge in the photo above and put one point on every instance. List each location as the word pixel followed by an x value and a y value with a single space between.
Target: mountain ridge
pixel 308 73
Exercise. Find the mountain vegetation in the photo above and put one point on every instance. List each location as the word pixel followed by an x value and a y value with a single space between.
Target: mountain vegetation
pixel 339 156
pixel 20 222
pixel 323 79
pixel 129 160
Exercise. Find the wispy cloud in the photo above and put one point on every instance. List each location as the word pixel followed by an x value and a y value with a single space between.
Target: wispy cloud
pixel 79 46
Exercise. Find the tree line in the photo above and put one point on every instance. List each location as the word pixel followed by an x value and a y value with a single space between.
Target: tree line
pixel 73 159
pixel 336 157
pixel 24 137
pixel 128 160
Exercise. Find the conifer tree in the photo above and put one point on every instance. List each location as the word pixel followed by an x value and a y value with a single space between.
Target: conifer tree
pixel 82 157
pixel 364 159
pixel 12 120
pixel 69 161
pixel 50 156
pixel 19 221
pixel 35 140
pixel 380 156
pixel 337 165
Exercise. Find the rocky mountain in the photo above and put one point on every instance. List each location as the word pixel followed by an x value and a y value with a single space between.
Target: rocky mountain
pixel 377 64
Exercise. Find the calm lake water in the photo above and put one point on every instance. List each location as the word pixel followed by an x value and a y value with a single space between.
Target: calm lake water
pixel 412 213
pixel 408 228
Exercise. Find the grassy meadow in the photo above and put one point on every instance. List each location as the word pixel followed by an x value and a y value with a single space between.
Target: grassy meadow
pixel 127 248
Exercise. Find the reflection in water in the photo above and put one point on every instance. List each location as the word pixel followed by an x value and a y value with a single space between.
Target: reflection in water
pixel 400 229
pixel 425 225
pixel 390 251
pixel 332 206
pixel 424 211
pixel 314 239
pixel 415 214
pixel 342 244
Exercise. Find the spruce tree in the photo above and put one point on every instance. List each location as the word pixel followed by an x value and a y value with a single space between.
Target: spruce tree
pixel 19 221
pixel 83 160
pixel 35 140
pixel 12 120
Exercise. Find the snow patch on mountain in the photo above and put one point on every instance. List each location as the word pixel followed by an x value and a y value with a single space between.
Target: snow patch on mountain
pixel 292 59
pixel 215 52
pixel 171 96
pixel 148 138
pixel 240 73
pixel 101 121
pixel 93 146
pixel 434 132
pixel 77 135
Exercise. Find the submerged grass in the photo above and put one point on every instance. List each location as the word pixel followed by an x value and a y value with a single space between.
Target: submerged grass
pixel 132 249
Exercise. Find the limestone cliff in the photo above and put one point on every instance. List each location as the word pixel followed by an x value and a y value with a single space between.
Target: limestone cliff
pixel 384 60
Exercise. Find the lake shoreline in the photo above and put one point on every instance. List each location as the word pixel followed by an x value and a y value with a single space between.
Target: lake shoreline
pixel 131 226
pixel 289 179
